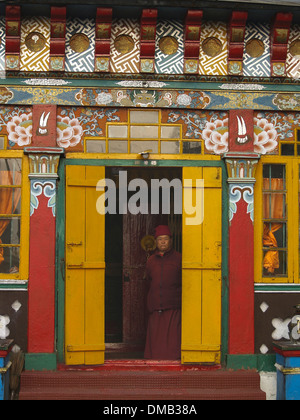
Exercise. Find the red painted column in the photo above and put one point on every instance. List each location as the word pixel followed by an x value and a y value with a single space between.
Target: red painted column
pixel 41 285
pixel 241 162
pixel 241 273
pixel 43 162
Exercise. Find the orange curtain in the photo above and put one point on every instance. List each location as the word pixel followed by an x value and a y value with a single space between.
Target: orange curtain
pixel 272 209
pixel 9 199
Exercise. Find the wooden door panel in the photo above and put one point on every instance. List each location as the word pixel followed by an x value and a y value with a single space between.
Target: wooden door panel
pixel 201 274
pixel 85 233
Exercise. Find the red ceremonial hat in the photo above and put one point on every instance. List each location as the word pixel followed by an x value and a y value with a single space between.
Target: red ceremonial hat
pixel 162 230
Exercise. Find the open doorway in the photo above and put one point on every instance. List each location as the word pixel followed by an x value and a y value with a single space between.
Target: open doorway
pixel 125 259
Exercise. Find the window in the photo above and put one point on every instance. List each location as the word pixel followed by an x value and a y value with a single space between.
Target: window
pixel 13 219
pixel 291 147
pixel 274 221
pixel 277 198
pixel 10 214
pixel 144 130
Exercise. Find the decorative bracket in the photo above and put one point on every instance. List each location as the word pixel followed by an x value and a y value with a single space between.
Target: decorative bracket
pixel 57 39
pixel 43 154
pixel 279 42
pixel 102 39
pixel 236 37
pixel 148 33
pixel 43 161
pixel 13 33
pixel 241 167
pixel 192 41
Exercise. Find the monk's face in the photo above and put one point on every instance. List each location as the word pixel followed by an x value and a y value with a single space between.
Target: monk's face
pixel 163 243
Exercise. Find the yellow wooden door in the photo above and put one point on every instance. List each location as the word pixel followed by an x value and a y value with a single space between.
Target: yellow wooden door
pixel 85 267
pixel 201 270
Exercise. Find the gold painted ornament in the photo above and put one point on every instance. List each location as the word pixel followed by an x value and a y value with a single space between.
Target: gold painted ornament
pixel 124 44
pixel 168 45
pixel 295 48
pixel 79 42
pixel 255 48
pixel 212 46
pixel 35 41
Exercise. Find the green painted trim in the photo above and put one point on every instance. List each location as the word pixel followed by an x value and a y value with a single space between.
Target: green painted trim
pixel 276 288
pixel 60 263
pixel 199 85
pixel 60 238
pixel 225 272
pixel 260 362
pixel 9 285
pixel 152 163
pixel 40 361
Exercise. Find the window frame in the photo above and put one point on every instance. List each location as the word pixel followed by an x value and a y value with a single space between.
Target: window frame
pixel 23 272
pixel 159 140
pixel 292 170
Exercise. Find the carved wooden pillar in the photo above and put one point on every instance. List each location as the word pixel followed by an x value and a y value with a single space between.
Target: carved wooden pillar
pixel 241 163
pixel 43 163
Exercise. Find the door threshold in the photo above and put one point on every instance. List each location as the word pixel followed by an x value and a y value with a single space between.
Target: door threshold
pixel 140 365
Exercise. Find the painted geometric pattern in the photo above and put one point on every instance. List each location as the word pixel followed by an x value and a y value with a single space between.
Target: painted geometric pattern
pixel 2 45
pixel 217 65
pixel 31 60
pixel 125 62
pixel 80 61
pixel 257 66
pixel 293 63
pixel 173 63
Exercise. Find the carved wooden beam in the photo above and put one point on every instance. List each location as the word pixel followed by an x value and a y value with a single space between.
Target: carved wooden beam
pixel 13 33
pixel 236 35
pixel 192 40
pixel 102 39
pixel 57 39
pixel 148 32
pixel 279 42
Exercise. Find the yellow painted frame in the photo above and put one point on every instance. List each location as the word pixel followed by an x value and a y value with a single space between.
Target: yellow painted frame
pixel 85 267
pixel 127 156
pixel 202 272
pixel 128 139
pixel 25 215
pixel 292 180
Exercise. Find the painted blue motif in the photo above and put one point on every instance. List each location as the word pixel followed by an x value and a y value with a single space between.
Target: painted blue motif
pixel 2 45
pixel 257 66
pixel 238 192
pixel 46 187
pixel 80 61
pixel 173 63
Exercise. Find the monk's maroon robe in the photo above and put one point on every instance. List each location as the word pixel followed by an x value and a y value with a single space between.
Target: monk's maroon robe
pixel 163 340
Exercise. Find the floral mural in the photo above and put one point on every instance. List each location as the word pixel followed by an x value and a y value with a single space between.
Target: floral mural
pixel 19 129
pixel 265 136
pixel 212 127
pixel 75 123
pixel 69 131
pixel 215 136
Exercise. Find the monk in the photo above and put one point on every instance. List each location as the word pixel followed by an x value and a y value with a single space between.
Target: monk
pixel 163 273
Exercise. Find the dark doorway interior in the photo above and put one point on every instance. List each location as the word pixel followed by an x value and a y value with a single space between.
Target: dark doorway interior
pixel 125 286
